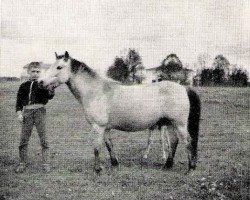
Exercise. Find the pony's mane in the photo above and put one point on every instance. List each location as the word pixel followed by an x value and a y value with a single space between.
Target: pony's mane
pixel 60 56
pixel 77 66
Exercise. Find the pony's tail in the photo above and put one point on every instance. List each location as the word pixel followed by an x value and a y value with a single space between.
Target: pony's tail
pixel 193 124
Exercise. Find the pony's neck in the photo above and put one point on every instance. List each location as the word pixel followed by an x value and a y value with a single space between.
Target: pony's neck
pixel 84 87
pixel 84 83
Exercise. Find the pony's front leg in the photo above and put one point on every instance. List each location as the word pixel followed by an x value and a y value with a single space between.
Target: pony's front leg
pixel 98 132
pixel 109 145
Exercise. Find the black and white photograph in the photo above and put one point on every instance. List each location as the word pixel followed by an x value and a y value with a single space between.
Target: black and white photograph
pixel 125 100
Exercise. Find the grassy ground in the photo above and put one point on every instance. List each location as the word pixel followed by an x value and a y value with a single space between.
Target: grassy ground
pixel 222 172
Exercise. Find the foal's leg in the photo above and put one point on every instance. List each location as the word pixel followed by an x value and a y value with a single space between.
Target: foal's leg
pixel 98 132
pixel 173 140
pixel 109 145
pixel 145 156
pixel 163 142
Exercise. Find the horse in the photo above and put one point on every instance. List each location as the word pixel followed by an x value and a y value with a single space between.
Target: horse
pixel 109 105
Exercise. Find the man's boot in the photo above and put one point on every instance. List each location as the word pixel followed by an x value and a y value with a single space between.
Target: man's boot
pixel 45 155
pixel 23 159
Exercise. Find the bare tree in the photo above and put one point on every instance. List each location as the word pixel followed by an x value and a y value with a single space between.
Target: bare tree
pixel 134 62
pixel 203 60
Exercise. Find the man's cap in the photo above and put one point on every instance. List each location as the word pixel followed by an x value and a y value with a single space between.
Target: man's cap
pixel 34 65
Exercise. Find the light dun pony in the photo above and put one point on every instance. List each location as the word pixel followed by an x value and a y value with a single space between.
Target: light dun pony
pixel 109 105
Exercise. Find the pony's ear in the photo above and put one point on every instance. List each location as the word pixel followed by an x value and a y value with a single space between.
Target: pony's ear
pixel 66 55
pixel 56 55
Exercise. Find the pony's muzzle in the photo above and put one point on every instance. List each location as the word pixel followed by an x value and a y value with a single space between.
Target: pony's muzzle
pixel 41 84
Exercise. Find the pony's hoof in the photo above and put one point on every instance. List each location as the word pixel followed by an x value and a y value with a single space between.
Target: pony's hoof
pixel 114 162
pixel 144 161
pixel 168 165
pixel 191 167
pixel 190 172
pixel 98 169
pixel 21 168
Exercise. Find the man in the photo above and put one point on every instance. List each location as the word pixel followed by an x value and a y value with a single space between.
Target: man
pixel 30 108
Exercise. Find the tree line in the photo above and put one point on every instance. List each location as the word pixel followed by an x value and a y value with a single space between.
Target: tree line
pixel 9 78
pixel 124 69
pixel 220 73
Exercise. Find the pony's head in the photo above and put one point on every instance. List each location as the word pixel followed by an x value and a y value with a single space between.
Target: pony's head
pixel 58 73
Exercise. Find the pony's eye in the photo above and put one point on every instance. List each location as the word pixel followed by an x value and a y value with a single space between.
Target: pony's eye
pixel 59 67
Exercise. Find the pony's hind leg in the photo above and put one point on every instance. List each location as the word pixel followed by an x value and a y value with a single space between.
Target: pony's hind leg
pixel 183 134
pixel 173 140
pixel 163 132
pixel 145 156
pixel 163 142
pixel 109 145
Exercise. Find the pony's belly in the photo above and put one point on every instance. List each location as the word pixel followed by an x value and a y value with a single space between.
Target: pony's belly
pixel 139 108
pixel 131 126
pixel 130 123
pixel 134 115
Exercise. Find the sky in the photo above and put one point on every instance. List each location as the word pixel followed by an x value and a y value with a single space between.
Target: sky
pixel 95 31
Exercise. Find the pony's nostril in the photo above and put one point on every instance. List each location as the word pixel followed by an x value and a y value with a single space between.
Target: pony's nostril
pixel 40 84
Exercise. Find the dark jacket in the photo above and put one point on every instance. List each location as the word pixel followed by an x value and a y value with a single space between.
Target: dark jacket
pixel 32 95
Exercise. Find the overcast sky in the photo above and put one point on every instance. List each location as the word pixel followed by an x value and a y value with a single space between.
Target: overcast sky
pixel 96 31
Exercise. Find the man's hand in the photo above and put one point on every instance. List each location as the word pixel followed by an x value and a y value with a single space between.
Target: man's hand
pixel 51 89
pixel 20 116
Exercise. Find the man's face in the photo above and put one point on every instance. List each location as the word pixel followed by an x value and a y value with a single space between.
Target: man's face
pixel 34 73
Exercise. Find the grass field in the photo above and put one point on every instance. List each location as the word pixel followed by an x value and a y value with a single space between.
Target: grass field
pixel 222 172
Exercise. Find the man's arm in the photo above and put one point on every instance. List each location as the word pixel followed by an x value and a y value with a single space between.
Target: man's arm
pixel 19 103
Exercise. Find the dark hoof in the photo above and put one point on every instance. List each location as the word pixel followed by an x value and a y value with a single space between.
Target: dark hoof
pixel 191 167
pixel 169 164
pixel 98 170
pixel 144 161
pixel 114 162
pixel 190 171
